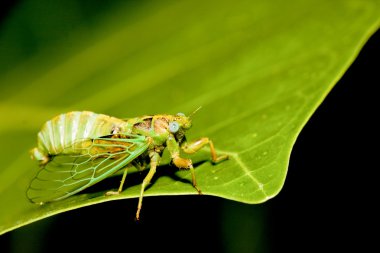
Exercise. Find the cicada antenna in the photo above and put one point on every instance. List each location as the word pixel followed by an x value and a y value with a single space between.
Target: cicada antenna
pixel 196 110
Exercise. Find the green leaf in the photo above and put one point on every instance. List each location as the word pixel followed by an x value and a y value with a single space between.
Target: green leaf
pixel 259 69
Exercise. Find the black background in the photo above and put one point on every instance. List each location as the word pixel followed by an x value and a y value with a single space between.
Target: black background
pixel 327 203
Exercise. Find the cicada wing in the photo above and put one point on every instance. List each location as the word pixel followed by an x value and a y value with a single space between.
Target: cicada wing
pixel 83 164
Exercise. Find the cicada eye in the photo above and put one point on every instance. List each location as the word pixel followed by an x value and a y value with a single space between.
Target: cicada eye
pixel 173 127
pixel 180 114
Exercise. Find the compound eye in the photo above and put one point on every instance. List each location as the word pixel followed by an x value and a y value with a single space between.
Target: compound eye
pixel 180 114
pixel 173 127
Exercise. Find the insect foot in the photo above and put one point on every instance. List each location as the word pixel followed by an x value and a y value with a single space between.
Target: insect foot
pixel 198 190
pixel 112 193
pixel 219 159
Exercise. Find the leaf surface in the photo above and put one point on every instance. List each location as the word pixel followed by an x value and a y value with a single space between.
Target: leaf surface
pixel 259 69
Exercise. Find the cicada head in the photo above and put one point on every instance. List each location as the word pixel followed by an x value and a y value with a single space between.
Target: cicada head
pixel 183 121
pixel 179 123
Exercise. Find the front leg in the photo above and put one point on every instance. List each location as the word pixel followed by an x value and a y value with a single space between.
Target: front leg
pixel 179 162
pixel 196 145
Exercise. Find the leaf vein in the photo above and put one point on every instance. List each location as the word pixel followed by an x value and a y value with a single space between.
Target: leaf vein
pixel 247 172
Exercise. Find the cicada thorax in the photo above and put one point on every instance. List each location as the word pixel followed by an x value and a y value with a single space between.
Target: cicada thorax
pixel 71 132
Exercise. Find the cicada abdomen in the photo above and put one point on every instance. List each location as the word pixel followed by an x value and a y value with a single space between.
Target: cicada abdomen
pixel 63 131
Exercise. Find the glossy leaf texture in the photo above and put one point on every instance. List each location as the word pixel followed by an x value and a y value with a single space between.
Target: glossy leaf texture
pixel 259 69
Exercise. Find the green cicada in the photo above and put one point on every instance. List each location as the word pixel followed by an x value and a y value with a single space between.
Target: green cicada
pixel 78 149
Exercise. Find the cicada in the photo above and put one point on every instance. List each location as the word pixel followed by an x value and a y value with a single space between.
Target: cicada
pixel 76 150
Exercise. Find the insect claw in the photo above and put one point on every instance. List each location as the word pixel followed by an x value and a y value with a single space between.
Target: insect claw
pixel 137 219
pixel 220 159
pixel 112 193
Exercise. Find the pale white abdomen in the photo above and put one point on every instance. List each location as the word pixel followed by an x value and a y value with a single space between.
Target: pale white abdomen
pixel 59 133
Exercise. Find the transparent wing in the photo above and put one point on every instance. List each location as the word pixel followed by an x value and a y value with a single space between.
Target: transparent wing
pixel 83 164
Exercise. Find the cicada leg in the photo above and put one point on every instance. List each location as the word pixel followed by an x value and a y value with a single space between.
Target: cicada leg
pixel 184 163
pixel 194 181
pixel 154 161
pixel 109 193
pixel 191 148
pixel 196 145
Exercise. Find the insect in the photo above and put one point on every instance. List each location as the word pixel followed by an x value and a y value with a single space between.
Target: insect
pixel 78 149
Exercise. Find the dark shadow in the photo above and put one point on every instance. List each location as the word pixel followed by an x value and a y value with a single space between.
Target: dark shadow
pixel 136 178
pixel 6 7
